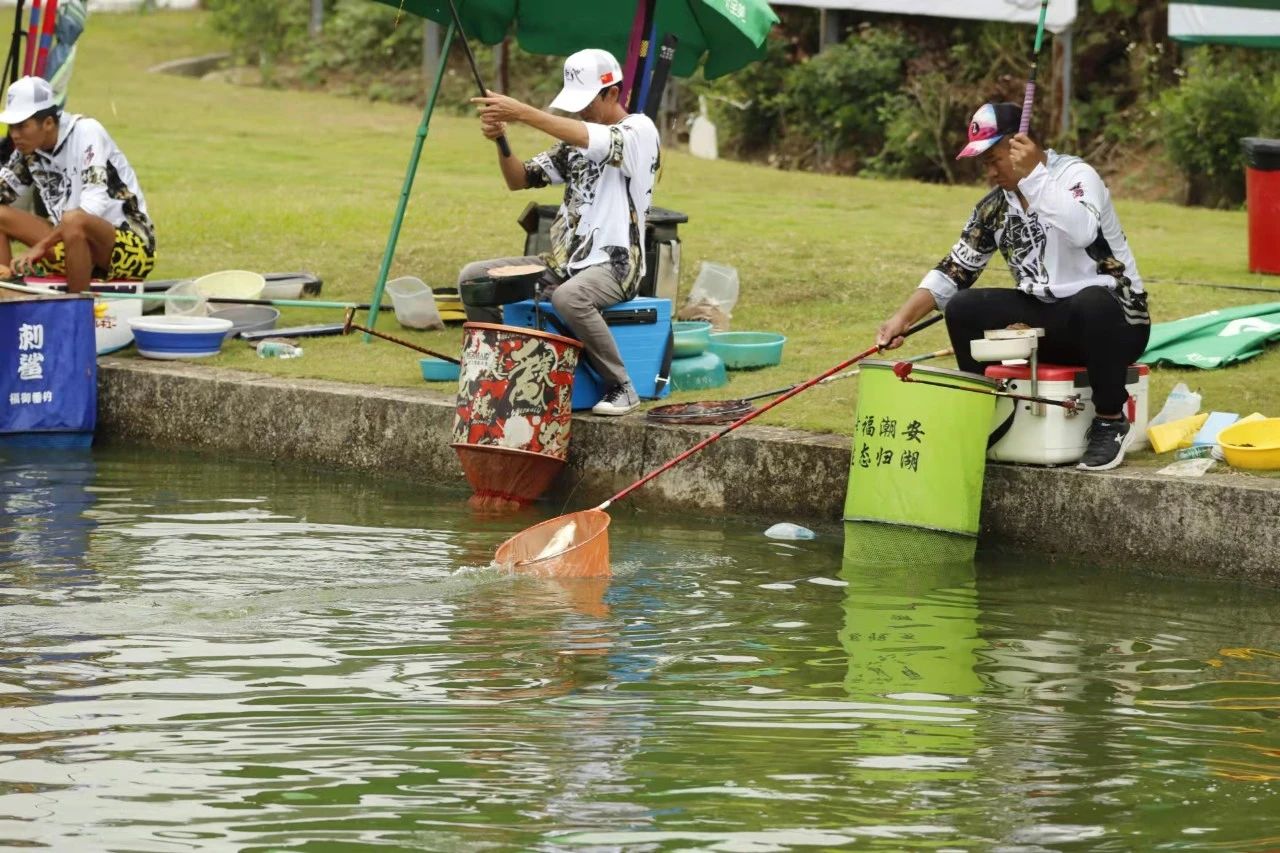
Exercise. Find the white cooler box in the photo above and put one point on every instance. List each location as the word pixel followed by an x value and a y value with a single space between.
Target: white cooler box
pixel 1057 437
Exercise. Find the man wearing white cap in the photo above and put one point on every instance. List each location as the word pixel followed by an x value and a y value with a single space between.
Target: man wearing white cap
pixel 607 159
pixel 90 217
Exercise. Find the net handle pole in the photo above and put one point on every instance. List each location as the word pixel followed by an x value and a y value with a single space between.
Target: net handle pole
pixel 1029 99
pixel 712 439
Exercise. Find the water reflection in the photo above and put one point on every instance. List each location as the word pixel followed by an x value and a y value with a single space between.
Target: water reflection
pixel 45 500
pixel 250 657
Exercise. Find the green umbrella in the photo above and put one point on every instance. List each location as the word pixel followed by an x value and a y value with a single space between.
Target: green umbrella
pixel 730 33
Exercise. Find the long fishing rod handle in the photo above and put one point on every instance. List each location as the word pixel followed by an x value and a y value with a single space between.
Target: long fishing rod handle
pixel 503 146
pixel 1024 126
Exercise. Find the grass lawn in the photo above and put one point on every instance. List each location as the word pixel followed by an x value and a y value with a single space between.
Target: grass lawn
pixel 271 180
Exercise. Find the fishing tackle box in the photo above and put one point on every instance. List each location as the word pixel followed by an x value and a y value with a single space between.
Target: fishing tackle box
pixel 1055 436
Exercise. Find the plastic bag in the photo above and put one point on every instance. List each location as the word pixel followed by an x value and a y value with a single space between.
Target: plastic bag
pixel 787 530
pixel 1181 403
pixel 1188 467
pixel 713 296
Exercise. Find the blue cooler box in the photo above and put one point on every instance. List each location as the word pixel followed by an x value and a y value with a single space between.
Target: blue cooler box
pixel 642 328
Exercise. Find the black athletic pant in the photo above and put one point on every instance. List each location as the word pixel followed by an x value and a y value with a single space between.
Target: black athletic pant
pixel 1087 329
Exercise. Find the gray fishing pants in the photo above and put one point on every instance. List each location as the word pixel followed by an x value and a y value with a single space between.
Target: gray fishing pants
pixel 578 301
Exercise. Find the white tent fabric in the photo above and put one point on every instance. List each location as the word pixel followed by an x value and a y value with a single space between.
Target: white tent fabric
pixel 1245 22
pixel 1061 15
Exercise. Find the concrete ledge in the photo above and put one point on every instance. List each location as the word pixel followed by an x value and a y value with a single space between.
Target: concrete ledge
pixel 1225 526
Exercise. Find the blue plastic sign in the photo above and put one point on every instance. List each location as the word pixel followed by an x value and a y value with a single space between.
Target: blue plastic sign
pixel 48 366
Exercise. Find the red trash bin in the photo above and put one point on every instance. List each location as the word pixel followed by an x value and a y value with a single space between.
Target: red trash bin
pixel 1262 185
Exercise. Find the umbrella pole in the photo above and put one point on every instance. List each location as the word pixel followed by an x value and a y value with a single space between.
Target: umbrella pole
pixel 375 303
pixel 15 46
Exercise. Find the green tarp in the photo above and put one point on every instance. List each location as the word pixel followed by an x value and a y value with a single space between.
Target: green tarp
pixel 1216 338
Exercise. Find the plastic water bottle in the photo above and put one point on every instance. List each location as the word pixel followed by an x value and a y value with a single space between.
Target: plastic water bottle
pixel 1195 451
pixel 277 349
pixel 787 530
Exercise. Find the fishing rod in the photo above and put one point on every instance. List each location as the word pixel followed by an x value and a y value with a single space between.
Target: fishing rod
pixel 1029 100
pixel 503 145
pixel 183 297
pixel 1248 287
pixel 714 437
pixel 1072 404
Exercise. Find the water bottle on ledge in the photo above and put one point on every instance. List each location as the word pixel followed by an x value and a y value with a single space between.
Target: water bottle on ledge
pixel 277 349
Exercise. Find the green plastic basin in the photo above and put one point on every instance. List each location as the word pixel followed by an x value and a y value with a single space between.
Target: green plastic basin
pixel 744 350
pixel 692 337
pixel 704 370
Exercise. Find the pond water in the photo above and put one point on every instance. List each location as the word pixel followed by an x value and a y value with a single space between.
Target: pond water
pixel 212 655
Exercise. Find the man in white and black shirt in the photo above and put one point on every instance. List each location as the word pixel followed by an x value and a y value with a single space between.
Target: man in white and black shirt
pixel 90 217
pixel 607 160
pixel 1051 217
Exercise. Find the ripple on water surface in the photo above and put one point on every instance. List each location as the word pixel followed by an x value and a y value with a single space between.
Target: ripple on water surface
pixel 206 655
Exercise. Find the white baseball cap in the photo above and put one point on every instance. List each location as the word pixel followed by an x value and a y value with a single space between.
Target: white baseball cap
pixel 585 74
pixel 25 98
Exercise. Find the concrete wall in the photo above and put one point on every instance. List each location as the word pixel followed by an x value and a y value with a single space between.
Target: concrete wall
pixel 1224 526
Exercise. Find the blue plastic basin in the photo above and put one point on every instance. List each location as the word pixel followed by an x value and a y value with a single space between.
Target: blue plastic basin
pixel 748 349
pixel 178 336
pixel 436 370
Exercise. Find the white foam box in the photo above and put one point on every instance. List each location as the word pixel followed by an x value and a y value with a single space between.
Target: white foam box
pixel 1057 437
pixel 642 328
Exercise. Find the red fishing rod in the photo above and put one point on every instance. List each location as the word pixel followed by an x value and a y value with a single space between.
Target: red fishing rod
pixel 760 411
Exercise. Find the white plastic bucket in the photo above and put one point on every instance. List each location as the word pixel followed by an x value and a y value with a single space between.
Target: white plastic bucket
pixel 414 303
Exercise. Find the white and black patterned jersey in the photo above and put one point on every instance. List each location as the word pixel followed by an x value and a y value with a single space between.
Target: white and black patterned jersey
pixel 608 192
pixel 1068 238
pixel 85 170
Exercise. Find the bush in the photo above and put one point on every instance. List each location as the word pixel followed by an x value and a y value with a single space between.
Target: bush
pixel 920 130
pixel 1223 97
pixel 261 31
pixel 747 105
pixel 836 99
pixel 363 36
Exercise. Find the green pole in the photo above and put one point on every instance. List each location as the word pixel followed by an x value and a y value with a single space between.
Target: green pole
pixel 394 236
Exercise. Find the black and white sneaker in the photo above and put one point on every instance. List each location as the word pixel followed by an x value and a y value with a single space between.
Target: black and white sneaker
pixel 1108 440
pixel 620 400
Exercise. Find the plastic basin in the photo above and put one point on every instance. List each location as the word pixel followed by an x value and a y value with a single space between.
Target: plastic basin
pixel 178 336
pixel 437 370
pixel 692 337
pixel 231 284
pixel 1254 445
pixel 745 350
pixel 247 318
pixel 704 370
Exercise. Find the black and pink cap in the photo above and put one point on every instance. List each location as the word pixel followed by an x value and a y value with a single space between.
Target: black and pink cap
pixel 990 124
